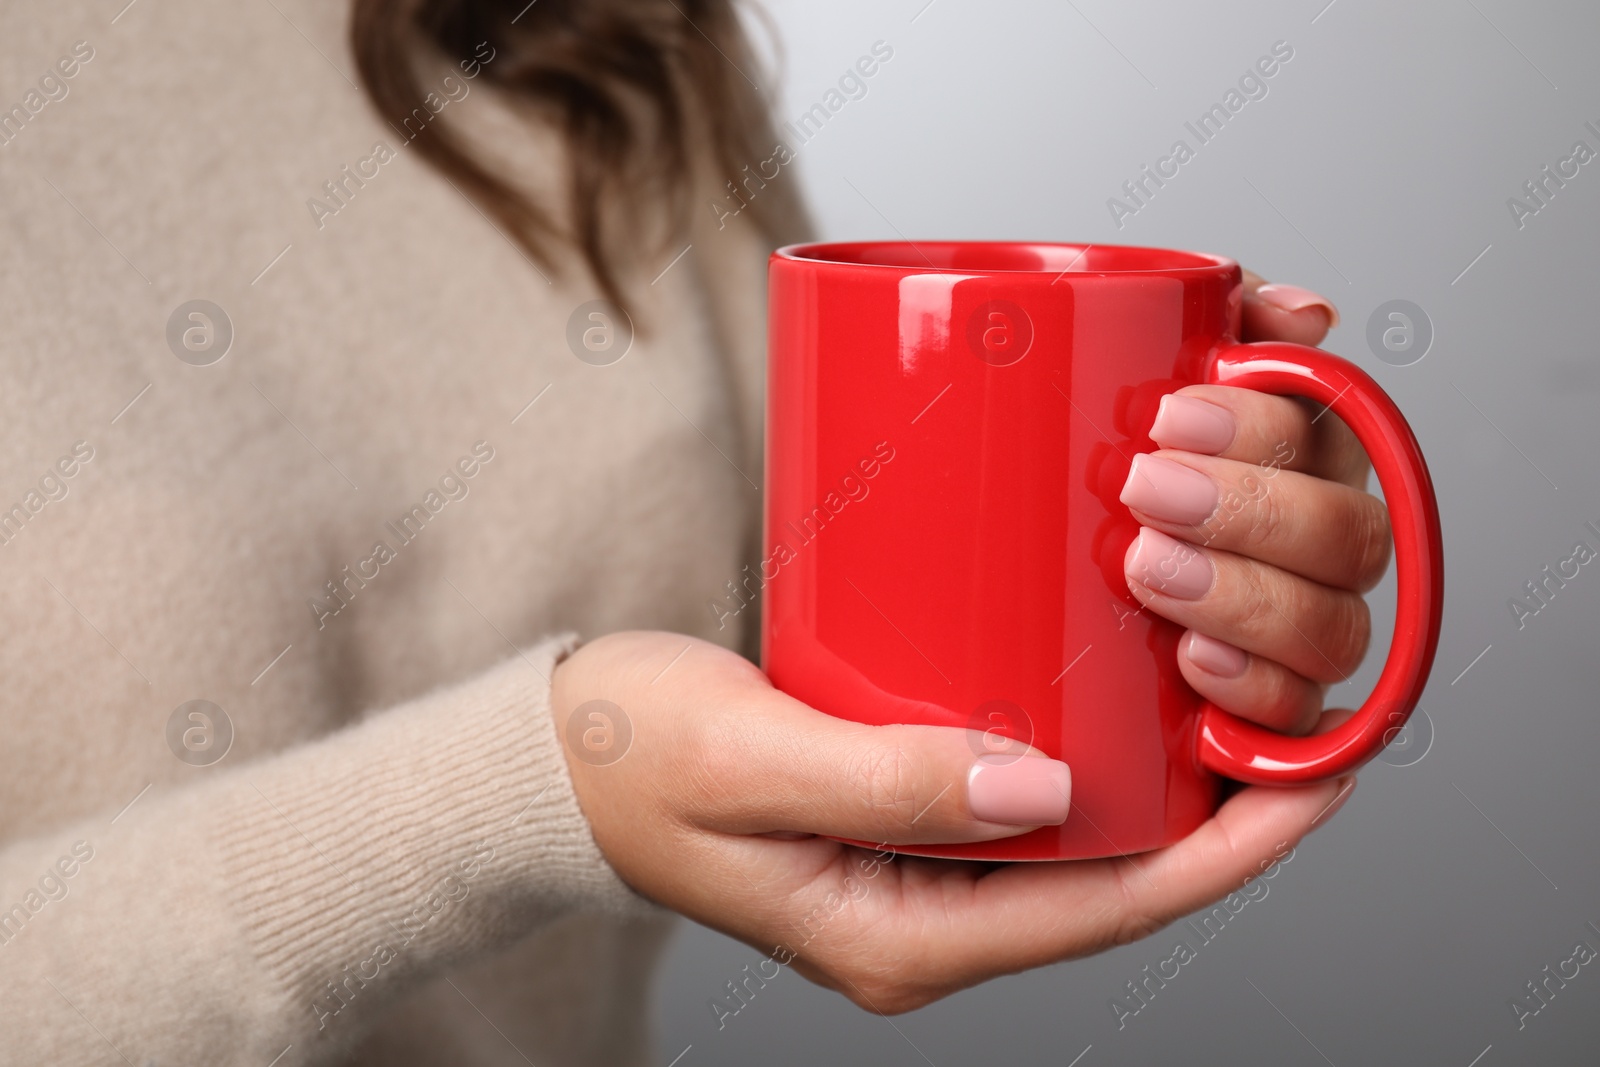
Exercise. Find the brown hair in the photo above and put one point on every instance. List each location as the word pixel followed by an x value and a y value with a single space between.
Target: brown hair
pixel 633 85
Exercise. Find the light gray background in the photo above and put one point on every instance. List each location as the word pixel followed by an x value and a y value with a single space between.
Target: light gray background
pixel 1378 167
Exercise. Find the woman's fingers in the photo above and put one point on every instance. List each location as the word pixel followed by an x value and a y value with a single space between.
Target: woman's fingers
pixel 1255 427
pixel 905 932
pixel 1321 530
pixel 1268 431
pixel 1314 630
pixel 1271 487
pixel 1252 687
pixel 1132 897
pixel 777 765
pixel 1277 312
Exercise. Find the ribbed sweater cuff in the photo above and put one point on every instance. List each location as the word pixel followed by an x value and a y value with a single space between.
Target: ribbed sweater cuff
pixel 432 832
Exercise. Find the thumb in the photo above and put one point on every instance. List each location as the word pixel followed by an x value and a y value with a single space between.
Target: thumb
pixel 799 770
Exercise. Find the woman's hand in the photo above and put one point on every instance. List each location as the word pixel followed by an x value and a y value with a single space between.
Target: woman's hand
pixel 710 811
pixel 1258 535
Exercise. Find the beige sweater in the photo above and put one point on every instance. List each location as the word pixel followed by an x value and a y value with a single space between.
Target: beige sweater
pixel 388 865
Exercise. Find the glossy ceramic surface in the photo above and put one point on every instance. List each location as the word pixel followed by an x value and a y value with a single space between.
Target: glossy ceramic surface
pixel 949 427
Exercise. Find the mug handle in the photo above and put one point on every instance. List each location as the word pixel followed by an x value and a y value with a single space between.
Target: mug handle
pixel 1237 749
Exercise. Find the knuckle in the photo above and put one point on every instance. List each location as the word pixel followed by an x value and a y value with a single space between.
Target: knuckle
pixel 1372 540
pixel 886 777
pixel 1275 610
pixel 1287 423
pixel 1344 633
pixel 1269 515
pixel 1354 634
pixel 1257 615
pixel 1343 457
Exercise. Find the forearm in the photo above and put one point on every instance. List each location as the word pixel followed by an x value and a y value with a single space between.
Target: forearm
pixel 291 900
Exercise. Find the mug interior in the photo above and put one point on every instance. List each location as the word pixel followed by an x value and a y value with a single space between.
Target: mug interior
pixel 1002 256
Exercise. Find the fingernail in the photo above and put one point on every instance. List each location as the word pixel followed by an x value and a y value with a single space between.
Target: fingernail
pixel 1169 491
pixel 1215 657
pixel 1165 565
pixel 1293 298
pixel 1347 785
pixel 1031 791
pixel 1193 425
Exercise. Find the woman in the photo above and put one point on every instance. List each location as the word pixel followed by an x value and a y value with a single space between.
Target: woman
pixel 369 508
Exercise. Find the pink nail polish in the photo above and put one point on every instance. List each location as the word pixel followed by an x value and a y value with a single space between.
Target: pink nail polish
pixel 1169 491
pixel 1215 657
pixel 1168 566
pixel 1193 425
pixel 1026 791
pixel 1294 298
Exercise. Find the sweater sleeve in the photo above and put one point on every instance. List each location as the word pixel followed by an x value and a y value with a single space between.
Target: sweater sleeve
pixel 275 909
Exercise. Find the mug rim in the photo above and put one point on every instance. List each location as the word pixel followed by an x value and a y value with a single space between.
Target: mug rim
pixel 833 254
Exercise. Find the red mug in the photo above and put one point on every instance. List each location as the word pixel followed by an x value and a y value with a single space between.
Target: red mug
pixel 949 426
